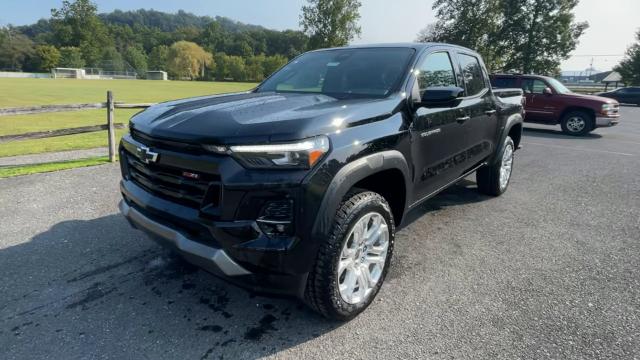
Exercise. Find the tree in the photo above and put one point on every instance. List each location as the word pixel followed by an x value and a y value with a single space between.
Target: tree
pixel 71 57
pixel 470 23
pixel 113 59
pixel 212 37
pixel 330 23
pixel 47 57
pixel 629 67
pixel 187 33
pixel 230 67
pixel 539 34
pixel 241 45
pixel 529 36
pixel 254 67
pixel 15 49
pixel 188 60
pixel 137 58
pixel 273 63
pixel 158 58
pixel 235 67
pixel 77 24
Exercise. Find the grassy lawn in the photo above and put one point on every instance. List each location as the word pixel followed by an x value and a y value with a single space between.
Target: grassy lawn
pixel 20 124
pixel 54 166
pixel 25 92
pixel 59 143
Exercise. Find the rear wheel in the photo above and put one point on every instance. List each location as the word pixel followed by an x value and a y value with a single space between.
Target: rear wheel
pixel 577 123
pixel 353 261
pixel 494 179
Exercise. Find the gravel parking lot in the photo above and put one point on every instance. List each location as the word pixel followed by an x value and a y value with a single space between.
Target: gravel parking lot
pixel 549 270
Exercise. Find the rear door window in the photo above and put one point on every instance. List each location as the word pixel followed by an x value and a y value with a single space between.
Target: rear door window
pixel 504 83
pixel 474 78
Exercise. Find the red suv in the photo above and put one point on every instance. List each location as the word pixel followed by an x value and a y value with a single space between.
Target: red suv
pixel 550 102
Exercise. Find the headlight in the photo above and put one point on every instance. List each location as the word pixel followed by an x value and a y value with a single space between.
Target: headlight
pixel 607 108
pixel 299 155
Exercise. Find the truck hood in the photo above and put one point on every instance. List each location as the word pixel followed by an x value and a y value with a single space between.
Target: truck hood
pixel 594 98
pixel 258 117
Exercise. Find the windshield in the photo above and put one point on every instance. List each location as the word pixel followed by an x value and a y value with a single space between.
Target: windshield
pixel 558 86
pixel 344 73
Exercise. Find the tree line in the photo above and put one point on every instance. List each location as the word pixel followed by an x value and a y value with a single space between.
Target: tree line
pixel 528 36
pixel 185 45
pixel 525 36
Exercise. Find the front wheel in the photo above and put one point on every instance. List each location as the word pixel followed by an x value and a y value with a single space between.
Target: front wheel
pixel 353 261
pixel 577 123
pixel 494 179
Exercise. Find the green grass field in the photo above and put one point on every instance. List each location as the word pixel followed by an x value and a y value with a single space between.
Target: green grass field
pixel 25 92
pixel 11 171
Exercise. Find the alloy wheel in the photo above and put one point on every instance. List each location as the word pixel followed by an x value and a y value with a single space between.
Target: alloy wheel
pixel 576 124
pixel 363 258
pixel 506 167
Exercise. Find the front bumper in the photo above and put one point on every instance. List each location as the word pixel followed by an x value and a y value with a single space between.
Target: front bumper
pixel 214 259
pixel 208 257
pixel 607 121
pixel 222 220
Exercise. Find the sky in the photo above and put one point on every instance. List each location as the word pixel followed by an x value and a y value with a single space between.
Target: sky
pixel 613 23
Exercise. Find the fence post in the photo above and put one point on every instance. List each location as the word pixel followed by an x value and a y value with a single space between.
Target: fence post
pixel 110 127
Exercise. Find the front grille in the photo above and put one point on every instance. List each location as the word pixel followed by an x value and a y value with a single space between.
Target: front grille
pixel 166 144
pixel 171 184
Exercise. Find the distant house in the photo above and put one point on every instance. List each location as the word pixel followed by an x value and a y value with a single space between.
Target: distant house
pixel 597 78
pixel 613 78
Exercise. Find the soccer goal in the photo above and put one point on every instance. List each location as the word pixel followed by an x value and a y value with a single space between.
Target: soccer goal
pixel 67 73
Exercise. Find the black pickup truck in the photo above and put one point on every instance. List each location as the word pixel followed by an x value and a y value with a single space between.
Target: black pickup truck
pixel 298 186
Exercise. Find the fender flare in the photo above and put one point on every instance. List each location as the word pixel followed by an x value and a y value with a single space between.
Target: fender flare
pixel 512 120
pixel 351 174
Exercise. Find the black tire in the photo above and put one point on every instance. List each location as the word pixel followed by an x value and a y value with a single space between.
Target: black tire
pixel 488 176
pixel 322 292
pixel 574 129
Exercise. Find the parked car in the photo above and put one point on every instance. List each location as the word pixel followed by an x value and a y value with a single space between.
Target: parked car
pixel 626 95
pixel 298 186
pixel 548 101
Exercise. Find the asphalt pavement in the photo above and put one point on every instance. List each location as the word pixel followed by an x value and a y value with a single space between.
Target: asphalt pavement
pixel 549 270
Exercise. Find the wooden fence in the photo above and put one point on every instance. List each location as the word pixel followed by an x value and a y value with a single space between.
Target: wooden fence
pixel 110 125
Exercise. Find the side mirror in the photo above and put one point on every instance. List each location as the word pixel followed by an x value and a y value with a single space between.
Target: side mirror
pixel 440 96
pixel 547 91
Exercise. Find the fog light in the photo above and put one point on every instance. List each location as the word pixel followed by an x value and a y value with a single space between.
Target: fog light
pixel 273 228
pixel 276 218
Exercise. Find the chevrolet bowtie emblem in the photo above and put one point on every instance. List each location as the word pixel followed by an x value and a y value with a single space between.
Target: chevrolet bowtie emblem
pixel 146 155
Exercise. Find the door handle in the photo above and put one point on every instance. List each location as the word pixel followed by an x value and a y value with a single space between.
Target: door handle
pixel 490 112
pixel 463 119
